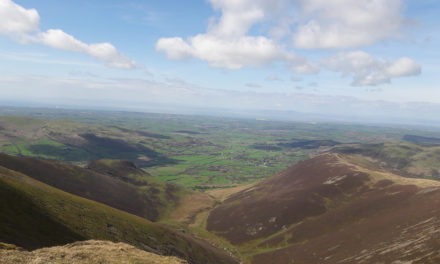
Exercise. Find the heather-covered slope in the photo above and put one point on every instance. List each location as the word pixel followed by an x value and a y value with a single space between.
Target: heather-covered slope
pixel 35 215
pixel 330 210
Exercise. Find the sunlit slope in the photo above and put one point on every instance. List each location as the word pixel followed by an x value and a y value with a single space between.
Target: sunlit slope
pixel 330 210
pixel 34 215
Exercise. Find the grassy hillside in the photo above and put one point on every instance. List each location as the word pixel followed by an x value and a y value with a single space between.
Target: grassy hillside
pixel 331 210
pixel 77 142
pixel 35 215
pixel 25 224
pixel 119 184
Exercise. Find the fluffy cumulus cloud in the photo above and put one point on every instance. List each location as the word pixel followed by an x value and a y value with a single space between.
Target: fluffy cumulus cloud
pixel 344 24
pixel 16 19
pixel 368 70
pixel 226 43
pixel 23 25
pixel 234 53
pixel 105 52
pixel 301 25
pixel 237 17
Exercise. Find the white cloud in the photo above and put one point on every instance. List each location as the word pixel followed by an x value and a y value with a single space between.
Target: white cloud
pixel 237 17
pixel 23 25
pixel 301 65
pixel 226 43
pixel 403 67
pixel 344 24
pixel 175 48
pixel 312 24
pixel 15 19
pixel 368 70
pixel 105 52
pixel 219 52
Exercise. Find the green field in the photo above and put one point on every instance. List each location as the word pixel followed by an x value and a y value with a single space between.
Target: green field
pixel 194 151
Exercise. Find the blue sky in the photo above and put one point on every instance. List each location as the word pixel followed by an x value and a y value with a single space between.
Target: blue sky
pixel 364 57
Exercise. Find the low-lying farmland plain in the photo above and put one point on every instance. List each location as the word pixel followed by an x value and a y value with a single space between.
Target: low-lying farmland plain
pixel 197 152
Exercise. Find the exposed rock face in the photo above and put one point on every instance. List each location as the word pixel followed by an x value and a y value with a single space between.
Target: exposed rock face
pixel 85 252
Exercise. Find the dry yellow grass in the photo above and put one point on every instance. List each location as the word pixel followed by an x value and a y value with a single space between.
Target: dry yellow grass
pixel 222 194
pixel 86 252
pixel 190 207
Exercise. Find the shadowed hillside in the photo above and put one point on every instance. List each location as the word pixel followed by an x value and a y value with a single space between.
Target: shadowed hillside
pixel 164 197
pixel 329 210
pixel 119 184
pixel 35 215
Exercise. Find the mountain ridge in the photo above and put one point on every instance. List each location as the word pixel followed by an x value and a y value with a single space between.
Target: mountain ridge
pixel 331 210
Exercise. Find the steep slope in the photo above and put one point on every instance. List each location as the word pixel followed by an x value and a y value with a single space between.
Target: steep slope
pixel 123 170
pixel 86 252
pixel 163 196
pixel 35 215
pixel 119 184
pixel 331 210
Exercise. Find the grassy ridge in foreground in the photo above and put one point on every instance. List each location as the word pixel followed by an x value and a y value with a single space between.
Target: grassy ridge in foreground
pixel 71 218
pixel 85 252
